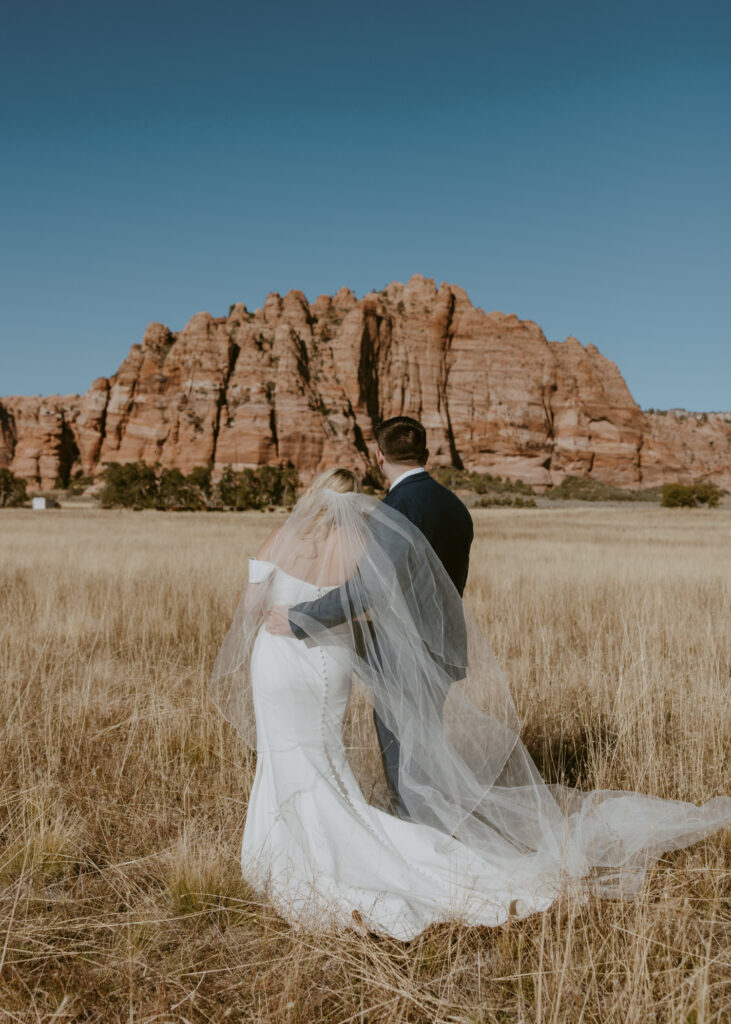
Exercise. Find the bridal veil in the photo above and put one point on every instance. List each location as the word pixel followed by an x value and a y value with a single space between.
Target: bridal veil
pixel 389 613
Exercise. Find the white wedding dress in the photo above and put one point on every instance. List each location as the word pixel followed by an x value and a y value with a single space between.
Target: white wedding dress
pixel 314 845
pixel 483 836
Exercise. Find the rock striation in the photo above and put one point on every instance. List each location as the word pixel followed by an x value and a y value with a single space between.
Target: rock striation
pixel 306 383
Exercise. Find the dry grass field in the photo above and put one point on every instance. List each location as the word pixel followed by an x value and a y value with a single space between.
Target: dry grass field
pixel 123 794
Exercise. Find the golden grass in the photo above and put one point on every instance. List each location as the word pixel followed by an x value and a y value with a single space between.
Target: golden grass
pixel 123 794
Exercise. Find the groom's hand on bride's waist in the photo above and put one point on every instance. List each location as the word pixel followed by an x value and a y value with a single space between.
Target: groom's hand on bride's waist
pixel 277 620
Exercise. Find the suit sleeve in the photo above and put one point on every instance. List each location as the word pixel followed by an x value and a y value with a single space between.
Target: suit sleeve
pixel 332 609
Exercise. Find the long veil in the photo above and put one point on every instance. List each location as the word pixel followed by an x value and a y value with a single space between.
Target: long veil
pixel 384 607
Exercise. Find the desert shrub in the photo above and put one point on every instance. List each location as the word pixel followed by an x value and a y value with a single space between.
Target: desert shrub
pixel 200 477
pixel 259 488
pixel 690 495
pixel 581 488
pixel 506 500
pixel 480 483
pixel 178 491
pixel 139 485
pixel 130 485
pixel 707 494
pixel 12 489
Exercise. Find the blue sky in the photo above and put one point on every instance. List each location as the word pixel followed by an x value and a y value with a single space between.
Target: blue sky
pixel 566 162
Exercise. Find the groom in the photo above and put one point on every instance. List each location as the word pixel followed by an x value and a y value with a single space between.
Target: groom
pixel 444 520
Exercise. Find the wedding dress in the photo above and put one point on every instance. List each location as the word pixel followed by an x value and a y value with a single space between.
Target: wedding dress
pixel 485 837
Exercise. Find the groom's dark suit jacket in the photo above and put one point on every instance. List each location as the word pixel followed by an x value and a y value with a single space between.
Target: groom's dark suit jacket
pixel 441 517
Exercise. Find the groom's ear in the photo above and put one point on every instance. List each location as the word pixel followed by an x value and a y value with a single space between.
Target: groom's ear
pixel 379 458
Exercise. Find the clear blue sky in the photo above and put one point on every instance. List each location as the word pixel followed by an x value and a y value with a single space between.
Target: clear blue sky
pixel 567 162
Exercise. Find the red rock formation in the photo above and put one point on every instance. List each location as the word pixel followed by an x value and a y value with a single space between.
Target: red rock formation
pixel 37 439
pixel 686 446
pixel 306 383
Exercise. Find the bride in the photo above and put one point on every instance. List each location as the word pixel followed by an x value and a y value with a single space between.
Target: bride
pixel 476 834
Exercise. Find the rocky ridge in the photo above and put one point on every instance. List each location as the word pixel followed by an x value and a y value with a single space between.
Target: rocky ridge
pixel 306 382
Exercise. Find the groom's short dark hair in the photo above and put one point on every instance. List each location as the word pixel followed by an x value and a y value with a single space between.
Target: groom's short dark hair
pixel 402 439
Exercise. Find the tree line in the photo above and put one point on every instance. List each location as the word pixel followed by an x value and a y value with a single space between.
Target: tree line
pixel 141 485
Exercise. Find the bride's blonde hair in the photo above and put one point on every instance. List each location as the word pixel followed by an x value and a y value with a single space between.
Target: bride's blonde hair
pixel 340 480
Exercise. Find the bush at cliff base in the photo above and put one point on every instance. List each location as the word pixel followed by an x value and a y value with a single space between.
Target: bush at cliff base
pixel 12 490
pixel 131 485
pixel 690 495
pixel 139 485
pixel 265 487
pixel 480 483
pixel 583 488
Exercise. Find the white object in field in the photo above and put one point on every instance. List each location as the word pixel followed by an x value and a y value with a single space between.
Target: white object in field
pixel 45 503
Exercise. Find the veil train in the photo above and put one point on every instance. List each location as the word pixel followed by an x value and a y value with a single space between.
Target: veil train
pixel 390 616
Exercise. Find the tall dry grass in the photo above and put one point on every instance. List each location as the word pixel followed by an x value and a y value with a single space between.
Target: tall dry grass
pixel 124 795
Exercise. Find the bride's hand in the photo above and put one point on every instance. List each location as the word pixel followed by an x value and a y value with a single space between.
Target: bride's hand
pixel 277 620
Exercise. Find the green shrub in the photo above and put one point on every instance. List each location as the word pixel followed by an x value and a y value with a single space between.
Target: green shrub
pixel 506 501
pixel 480 483
pixel 257 488
pixel 139 485
pixel 707 494
pixel 12 490
pixel 690 495
pixel 581 488
pixel 677 496
pixel 130 485
pixel 178 491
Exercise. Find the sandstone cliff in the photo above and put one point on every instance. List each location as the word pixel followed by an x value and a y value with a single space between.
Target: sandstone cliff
pixel 306 383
